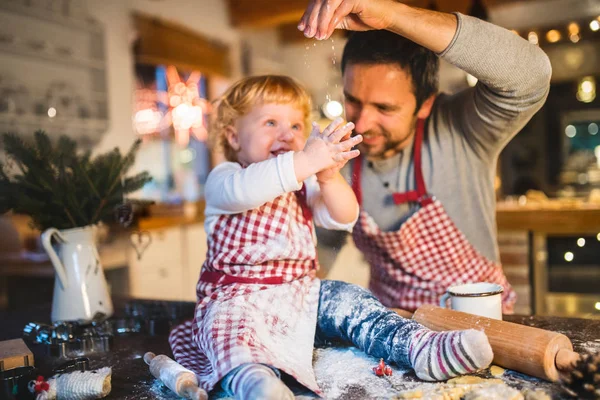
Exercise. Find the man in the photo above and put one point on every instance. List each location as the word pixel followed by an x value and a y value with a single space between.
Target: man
pixel 425 178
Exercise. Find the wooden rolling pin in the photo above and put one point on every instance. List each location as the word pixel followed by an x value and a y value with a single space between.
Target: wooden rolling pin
pixel 526 349
pixel 180 380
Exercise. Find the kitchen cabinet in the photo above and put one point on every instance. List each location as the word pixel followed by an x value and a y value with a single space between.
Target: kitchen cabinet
pixel 170 266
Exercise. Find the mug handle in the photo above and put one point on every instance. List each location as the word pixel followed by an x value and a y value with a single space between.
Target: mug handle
pixel 58 265
pixel 444 299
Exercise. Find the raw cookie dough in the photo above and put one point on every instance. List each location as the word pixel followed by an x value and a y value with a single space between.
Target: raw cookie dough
pixel 442 392
pixel 494 392
pixel 462 387
pixel 497 371
pixel 472 380
pixel 536 394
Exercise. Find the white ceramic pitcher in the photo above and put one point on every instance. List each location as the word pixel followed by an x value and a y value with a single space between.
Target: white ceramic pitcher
pixel 80 290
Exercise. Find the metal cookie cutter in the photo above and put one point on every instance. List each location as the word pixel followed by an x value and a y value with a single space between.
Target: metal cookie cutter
pixel 13 383
pixel 77 364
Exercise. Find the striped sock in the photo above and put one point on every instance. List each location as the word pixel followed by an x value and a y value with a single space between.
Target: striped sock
pixel 437 356
pixel 256 381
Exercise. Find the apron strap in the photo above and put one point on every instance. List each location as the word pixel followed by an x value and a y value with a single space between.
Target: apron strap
pixel 418 195
pixel 421 191
pixel 223 279
pixel 302 199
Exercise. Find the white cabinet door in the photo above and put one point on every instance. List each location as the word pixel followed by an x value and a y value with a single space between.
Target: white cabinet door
pixel 159 273
pixel 170 266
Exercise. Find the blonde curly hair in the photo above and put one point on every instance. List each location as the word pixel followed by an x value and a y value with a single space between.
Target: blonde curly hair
pixel 239 99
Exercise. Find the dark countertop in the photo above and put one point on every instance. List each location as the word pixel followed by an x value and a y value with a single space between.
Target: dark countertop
pixel 131 378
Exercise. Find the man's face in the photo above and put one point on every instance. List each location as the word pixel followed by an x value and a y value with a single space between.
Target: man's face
pixel 379 99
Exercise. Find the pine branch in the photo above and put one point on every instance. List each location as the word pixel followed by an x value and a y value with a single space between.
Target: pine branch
pixel 136 182
pixel 130 157
pixel 124 165
pixel 58 187
pixel 88 180
pixel 68 214
pixel 19 151
pixel 5 191
pixel 44 146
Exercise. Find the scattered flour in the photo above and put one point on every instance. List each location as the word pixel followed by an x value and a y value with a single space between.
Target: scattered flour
pixel 346 373
pixel 341 371
pixel 591 346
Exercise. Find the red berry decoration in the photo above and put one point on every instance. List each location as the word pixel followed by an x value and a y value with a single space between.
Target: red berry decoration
pixel 378 371
pixel 387 370
pixel 40 385
pixel 381 369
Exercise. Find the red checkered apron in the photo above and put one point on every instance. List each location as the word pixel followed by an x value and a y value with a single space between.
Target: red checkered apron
pixel 257 295
pixel 416 264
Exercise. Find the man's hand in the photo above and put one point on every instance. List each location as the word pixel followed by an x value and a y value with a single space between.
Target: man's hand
pixel 431 29
pixel 327 150
pixel 322 17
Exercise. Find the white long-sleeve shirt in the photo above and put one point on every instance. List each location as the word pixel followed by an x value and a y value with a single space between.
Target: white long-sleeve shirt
pixel 231 189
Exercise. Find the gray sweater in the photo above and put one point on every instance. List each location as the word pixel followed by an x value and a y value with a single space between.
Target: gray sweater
pixel 466 133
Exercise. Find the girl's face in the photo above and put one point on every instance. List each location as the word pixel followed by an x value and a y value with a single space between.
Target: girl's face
pixel 267 131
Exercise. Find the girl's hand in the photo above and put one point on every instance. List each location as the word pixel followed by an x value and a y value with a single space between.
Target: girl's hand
pixel 326 152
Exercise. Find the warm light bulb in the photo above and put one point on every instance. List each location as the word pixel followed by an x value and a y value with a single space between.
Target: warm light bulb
pixel 586 89
pixel 52 112
pixel 581 242
pixel 573 28
pixel 569 256
pixel 594 25
pixel 570 131
pixel 333 109
pixel 533 38
pixel 553 36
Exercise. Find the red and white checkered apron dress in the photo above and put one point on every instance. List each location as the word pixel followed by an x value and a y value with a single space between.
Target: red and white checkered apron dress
pixel 257 295
pixel 416 264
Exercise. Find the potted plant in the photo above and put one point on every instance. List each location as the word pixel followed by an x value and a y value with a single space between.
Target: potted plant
pixel 67 193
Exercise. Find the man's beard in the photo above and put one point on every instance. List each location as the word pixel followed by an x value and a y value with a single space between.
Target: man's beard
pixel 390 147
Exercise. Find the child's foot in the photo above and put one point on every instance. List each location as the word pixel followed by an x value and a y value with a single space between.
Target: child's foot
pixel 269 388
pixel 437 356
pixel 256 381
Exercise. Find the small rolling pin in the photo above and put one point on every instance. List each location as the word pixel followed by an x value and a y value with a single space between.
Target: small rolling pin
pixel 180 380
pixel 533 351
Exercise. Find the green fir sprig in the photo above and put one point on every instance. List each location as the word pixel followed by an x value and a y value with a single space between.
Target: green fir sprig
pixel 59 187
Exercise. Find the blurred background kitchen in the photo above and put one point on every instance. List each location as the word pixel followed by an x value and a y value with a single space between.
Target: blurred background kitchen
pixel 109 72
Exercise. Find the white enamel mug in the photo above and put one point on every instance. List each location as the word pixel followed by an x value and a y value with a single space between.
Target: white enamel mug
pixel 479 298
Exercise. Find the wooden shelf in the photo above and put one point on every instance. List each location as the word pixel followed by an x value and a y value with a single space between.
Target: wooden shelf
pixel 163 220
pixel 47 15
pixel 71 61
pixel 560 221
pixel 25 124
